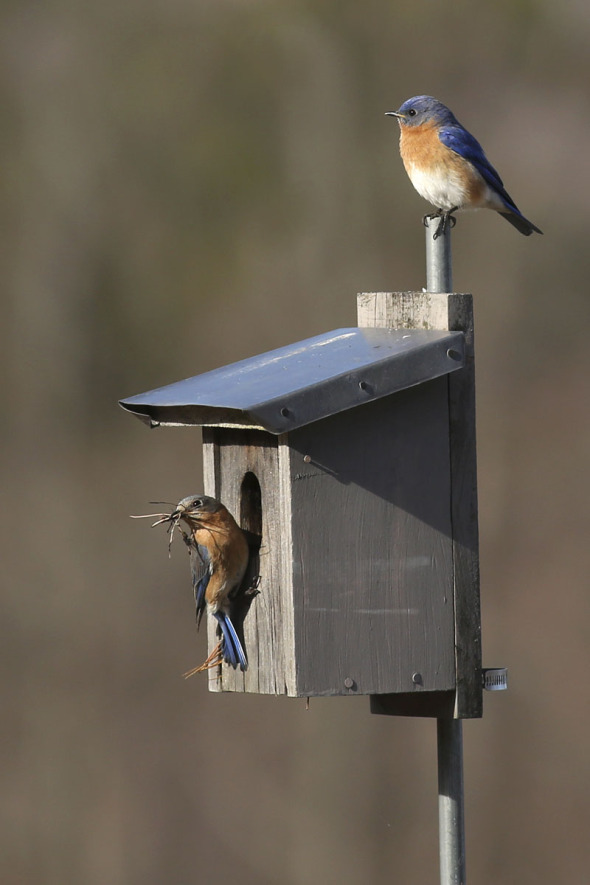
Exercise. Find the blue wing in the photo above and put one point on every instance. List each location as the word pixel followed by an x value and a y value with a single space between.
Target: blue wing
pixel 463 143
pixel 201 573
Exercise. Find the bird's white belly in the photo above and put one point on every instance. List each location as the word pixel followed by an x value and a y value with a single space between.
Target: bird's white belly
pixel 442 187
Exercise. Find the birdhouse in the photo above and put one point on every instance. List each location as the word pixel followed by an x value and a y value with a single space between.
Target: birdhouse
pixel 351 455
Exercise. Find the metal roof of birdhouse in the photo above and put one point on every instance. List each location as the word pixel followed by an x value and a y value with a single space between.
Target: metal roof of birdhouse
pixel 287 388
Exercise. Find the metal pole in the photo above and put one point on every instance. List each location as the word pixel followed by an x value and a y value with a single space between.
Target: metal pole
pixel 449 732
pixel 439 267
pixel 451 822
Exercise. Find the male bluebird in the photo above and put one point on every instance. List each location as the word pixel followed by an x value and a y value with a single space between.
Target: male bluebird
pixel 219 555
pixel 447 165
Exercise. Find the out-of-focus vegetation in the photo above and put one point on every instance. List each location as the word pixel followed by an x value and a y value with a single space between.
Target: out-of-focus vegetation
pixel 187 184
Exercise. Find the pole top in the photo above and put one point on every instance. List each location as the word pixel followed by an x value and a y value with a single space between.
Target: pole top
pixel 439 266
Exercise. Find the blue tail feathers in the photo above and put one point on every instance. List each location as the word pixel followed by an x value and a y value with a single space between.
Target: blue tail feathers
pixel 232 650
pixel 521 223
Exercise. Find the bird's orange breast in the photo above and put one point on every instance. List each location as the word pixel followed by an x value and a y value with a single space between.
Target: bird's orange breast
pixel 228 554
pixel 438 173
pixel 420 146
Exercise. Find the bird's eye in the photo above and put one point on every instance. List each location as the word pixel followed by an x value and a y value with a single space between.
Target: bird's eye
pixel 197 502
pixel 412 112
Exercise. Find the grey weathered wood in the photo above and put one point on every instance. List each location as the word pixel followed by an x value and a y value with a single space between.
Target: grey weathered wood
pixel 453 312
pixel 368 518
pixel 372 553
pixel 433 704
pixel 268 632
pixel 356 559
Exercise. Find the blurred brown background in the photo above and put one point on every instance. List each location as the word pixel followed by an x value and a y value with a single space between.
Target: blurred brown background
pixel 185 184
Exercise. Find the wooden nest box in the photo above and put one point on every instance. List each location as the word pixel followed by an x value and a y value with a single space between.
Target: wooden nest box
pixel 352 455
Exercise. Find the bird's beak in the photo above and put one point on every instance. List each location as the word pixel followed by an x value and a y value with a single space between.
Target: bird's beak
pixel 187 513
pixel 394 114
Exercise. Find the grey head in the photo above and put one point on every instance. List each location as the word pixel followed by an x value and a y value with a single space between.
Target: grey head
pixel 197 505
pixel 422 109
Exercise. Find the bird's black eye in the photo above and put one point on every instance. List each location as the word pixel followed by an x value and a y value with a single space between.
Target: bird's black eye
pixel 197 502
pixel 412 112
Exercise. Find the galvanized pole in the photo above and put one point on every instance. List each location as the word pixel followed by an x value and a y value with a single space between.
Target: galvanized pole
pixel 439 267
pixel 451 821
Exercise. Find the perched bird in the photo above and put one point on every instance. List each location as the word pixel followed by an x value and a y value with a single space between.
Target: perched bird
pixel 447 165
pixel 219 555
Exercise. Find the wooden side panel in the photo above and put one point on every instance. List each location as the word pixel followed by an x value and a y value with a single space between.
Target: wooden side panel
pixel 372 552
pixel 266 618
pixel 453 312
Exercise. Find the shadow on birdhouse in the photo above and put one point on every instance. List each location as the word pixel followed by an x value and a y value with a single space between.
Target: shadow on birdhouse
pixel 250 521
pixel 339 457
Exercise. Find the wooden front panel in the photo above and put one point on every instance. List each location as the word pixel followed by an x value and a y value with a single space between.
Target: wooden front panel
pixel 267 625
pixel 372 547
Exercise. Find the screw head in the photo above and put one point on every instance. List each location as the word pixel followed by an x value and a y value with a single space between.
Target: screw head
pixel 417 678
pixel 348 682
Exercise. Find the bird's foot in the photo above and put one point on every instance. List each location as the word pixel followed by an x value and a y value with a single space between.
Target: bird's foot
pixel 214 660
pixel 446 219
pixel 253 590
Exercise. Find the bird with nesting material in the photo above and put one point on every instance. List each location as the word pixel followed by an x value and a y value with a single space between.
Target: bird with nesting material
pixel 448 166
pixel 219 554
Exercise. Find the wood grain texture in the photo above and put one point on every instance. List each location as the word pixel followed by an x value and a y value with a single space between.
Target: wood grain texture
pixel 403 310
pixel 356 558
pixel 231 454
pixel 372 552
pixel 452 312
pixel 436 704
pixel 369 563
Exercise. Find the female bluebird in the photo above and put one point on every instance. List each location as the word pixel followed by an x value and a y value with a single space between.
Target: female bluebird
pixel 447 165
pixel 219 556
